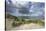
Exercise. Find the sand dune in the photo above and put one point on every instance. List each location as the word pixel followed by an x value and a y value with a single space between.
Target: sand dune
pixel 21 27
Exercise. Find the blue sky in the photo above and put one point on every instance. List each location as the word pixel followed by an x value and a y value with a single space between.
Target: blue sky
pixel 30 8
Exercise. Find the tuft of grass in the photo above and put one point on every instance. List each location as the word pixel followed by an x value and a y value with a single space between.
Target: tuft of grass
pixel 19 22
pixel 14 24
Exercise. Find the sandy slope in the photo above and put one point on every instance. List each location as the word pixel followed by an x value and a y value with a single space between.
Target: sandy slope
pixel 21 27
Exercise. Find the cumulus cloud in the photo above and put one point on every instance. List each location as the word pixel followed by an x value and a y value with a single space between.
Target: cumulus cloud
pixel 23 8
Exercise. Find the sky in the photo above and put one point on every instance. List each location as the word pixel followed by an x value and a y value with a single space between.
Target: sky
pixel 25 8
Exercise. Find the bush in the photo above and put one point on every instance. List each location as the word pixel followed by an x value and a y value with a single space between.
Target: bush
pixel 23 20
pixel 14 24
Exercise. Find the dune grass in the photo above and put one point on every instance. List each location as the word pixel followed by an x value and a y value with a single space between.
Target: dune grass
pixel 19 22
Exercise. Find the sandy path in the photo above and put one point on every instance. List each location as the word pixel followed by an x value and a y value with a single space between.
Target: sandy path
pixel 28 26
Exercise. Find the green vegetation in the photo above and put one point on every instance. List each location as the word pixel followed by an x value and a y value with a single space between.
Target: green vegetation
pixel 19 21
pixel 14 24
